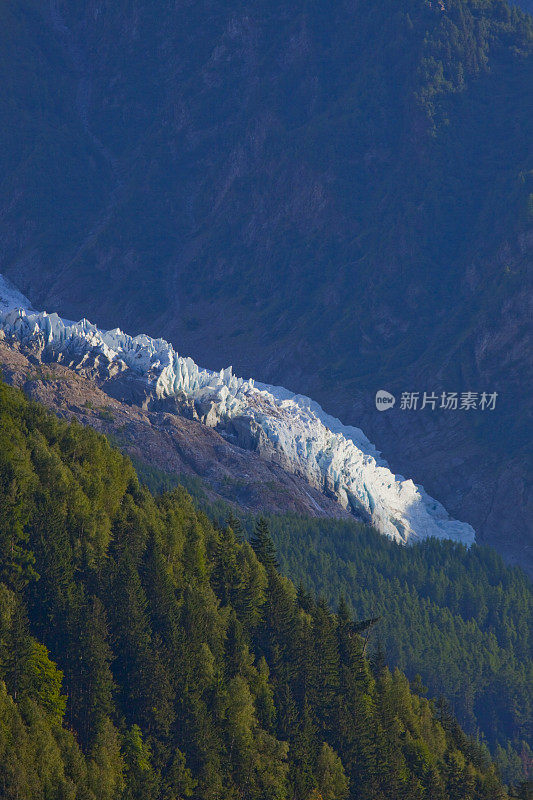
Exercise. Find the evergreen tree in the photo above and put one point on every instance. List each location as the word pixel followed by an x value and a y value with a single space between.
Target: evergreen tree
pixel 263 546
pixel 332 782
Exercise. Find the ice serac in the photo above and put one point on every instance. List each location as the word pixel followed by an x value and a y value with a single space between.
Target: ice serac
pixel 279 424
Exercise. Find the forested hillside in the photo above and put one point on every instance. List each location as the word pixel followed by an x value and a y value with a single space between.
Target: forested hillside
pixel 146 653
pixel 459 618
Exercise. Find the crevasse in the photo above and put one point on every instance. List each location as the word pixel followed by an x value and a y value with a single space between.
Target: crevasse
pixel 290 427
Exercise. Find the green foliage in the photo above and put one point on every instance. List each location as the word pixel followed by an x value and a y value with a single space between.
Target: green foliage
pixel 190 669
pixel 457 618
pixel 43 680
pixel 106 763
pixel 106 414
pixel 263 546
pixel 332 782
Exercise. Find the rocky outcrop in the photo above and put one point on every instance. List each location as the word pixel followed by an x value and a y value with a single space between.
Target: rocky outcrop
pixel 182 448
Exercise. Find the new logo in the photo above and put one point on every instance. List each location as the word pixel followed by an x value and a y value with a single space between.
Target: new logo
pixel 384 400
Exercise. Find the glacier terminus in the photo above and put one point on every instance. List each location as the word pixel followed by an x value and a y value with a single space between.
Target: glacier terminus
pixel 279 424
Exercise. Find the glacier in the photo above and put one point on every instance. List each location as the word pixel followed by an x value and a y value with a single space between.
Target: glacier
pixel 279 424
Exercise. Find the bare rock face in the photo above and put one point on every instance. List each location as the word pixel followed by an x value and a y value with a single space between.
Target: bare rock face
pixel 172 442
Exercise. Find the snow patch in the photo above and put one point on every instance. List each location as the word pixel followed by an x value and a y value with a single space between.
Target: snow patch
pixel 11 298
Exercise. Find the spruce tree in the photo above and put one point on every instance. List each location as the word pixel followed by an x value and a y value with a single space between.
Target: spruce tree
pixel 263 545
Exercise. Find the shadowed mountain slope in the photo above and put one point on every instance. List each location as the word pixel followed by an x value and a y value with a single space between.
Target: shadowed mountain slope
pixel 330 198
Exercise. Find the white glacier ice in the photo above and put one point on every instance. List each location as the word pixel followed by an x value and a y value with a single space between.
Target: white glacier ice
pixel 290 428
pixel 10 297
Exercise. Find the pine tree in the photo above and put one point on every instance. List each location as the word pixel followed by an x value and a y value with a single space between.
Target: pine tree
pixel 42 680
pixel 325 675
pixel 236 526
pixel 303 753
pixel 106 765
pixel 263 546
pixel 332 781
pixel 92 695
pixel 355 714
pixel 140 778
pixel 179 782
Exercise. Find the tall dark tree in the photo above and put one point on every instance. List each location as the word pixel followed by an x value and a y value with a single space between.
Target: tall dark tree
pixel 263 546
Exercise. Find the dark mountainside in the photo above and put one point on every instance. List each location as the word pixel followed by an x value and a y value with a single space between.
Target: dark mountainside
pixel 146 654
pixel 330 197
